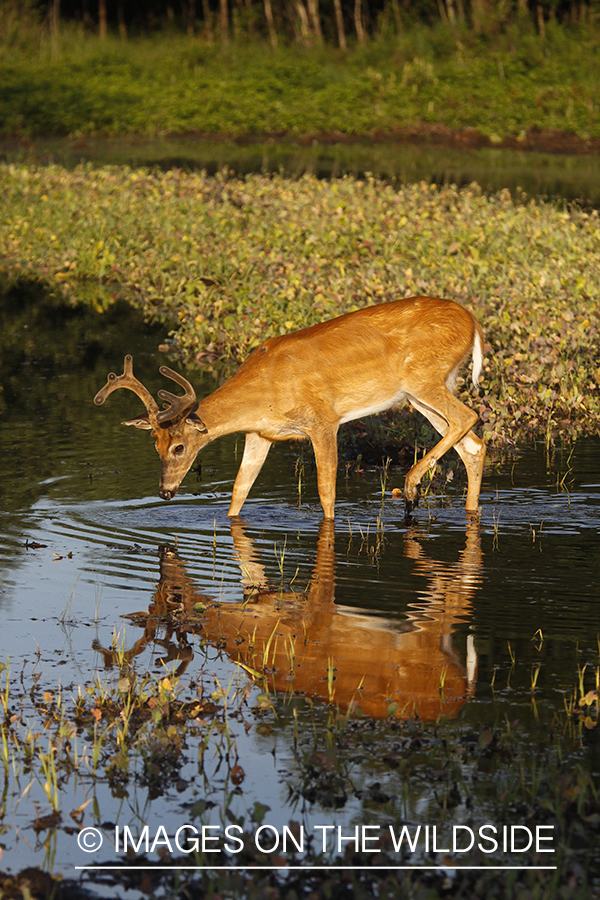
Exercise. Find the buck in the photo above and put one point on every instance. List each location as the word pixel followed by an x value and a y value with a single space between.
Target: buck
pixel 307 383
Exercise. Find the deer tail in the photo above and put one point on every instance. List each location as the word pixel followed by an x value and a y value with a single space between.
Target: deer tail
pixel 477 355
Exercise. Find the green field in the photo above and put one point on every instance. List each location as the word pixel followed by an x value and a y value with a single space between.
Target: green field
pixel 500 84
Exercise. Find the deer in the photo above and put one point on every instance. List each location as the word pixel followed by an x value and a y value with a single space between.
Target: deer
pixel 305 384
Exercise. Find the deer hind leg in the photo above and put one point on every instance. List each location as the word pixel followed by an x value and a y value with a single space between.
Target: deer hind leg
pixel 454 421
pixel 471 450
pixel 255 453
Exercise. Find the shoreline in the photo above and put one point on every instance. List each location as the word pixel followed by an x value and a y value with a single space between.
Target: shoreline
pixel 553 141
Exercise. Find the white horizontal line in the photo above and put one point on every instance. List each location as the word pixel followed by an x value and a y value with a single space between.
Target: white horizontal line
pixel 443 868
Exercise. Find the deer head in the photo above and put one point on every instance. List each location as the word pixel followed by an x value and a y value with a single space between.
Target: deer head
pixel 178 430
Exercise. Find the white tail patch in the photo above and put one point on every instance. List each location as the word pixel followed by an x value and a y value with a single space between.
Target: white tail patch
pixel 477 358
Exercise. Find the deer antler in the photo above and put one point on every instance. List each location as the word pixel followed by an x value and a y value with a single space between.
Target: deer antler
pixel 178 406
pixel 129 381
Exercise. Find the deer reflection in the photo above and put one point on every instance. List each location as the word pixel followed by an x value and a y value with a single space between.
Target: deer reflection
pixel 308 644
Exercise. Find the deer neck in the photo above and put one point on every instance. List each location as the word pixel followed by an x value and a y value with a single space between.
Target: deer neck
pixel 228 410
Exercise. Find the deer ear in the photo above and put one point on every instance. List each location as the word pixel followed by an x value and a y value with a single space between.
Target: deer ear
pixel 142 421
pixel 197 423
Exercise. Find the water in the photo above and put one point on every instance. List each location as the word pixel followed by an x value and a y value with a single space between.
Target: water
pixel 438 617
pixel 548 175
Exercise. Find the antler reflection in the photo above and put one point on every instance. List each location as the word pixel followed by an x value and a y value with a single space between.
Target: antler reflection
pixel 299 637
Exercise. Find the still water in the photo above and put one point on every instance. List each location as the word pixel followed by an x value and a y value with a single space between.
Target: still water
pixel 545 175
pixel 373 615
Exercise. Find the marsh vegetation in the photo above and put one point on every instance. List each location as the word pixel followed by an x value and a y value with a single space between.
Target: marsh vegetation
pixel 226 262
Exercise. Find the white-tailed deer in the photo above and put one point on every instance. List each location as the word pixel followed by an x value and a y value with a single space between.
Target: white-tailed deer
pixel 306 384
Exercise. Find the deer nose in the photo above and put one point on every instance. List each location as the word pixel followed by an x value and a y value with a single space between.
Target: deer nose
pixel 164 494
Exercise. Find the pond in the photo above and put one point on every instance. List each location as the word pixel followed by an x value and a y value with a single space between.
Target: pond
pixel 571 177
pixel 274 675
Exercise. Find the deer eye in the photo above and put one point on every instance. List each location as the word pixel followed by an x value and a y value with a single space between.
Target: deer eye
pixel 178 450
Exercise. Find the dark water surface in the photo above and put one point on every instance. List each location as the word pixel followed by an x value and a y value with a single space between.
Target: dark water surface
pixel 546 175
pixel 395 606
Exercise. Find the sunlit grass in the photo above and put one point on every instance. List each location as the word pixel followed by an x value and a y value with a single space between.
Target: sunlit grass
pixel 230 262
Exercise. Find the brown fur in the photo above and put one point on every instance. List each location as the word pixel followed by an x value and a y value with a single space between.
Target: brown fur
pixel 305 384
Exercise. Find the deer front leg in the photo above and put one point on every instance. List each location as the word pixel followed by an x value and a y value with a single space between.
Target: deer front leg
pixel 325 446
pixel 255 453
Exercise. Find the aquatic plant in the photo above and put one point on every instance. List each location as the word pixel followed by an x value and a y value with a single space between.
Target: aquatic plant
pixel 228 262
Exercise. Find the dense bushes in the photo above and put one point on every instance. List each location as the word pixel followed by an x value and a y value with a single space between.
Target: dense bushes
pixel 179 84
